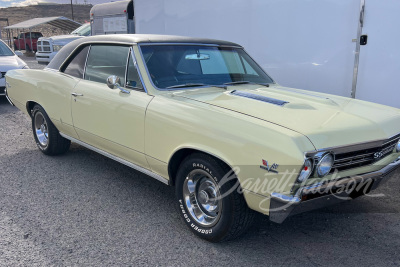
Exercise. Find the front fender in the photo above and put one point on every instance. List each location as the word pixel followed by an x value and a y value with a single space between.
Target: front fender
pixel 240 141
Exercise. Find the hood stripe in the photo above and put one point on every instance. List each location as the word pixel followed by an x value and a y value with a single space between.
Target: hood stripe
pixel 259 98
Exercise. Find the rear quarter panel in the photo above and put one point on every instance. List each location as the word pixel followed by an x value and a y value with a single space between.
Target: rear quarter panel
pixel 50 89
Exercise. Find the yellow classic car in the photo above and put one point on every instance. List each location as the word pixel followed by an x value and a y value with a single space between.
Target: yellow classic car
pixel 201 115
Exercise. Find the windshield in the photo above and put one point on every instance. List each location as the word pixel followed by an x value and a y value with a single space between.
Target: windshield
pixel 5 50
pixel 83 30
pixel 174 66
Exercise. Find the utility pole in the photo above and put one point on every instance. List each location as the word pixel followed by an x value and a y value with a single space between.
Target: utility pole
pixel 72 10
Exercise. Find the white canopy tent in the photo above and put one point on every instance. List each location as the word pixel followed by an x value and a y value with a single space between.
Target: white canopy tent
pixel 59 22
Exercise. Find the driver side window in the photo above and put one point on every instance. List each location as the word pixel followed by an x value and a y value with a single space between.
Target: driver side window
pixel 106 60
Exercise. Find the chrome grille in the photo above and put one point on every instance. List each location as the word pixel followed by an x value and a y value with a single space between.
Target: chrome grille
pixel 44 47
pixel 39 46
pixel 355 159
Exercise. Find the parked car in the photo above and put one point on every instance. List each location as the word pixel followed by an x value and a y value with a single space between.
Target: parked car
pixel 48 47
pixel 202 116
pixel 25 42
pixel 8 60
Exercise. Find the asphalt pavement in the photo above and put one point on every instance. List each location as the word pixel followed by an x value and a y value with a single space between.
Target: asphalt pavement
pixel 83 209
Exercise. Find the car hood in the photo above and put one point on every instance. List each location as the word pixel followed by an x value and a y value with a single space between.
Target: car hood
pixel 62 39
pixel 10 62
pixel 327 120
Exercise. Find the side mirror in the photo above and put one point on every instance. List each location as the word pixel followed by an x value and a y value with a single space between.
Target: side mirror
pixel 18 53
pixel 113 82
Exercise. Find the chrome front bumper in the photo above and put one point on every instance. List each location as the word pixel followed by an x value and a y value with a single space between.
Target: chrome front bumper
pixel 9 100
pixel 332 192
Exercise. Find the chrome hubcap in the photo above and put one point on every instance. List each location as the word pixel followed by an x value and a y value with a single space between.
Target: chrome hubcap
pixel 41 129
pixel 202 198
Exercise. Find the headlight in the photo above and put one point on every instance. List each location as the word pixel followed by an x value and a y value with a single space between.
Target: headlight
pixel 306 171
pixel 325 164
pixel 57 47
pixel 398 146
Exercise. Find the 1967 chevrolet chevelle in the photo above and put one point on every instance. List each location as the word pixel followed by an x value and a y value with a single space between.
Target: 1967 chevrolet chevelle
pixel 202 116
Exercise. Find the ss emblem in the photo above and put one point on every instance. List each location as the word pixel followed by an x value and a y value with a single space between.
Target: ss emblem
pixel 378 155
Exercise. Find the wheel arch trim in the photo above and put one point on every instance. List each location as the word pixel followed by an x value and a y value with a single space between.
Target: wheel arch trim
pixel 179 155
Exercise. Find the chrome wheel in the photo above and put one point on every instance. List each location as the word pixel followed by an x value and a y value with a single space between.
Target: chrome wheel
pixel 202 198
pixel 41 129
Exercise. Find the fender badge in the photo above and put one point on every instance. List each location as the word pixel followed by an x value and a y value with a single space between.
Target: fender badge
pixel 269 168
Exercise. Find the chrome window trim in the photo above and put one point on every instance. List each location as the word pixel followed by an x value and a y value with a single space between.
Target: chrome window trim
pixel 138 69
pixel 200 44
pixel 120 160
pixel 84 67
pixel 90 43
pixel 126 67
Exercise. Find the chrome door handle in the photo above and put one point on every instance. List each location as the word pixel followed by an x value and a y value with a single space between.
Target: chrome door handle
pixel 75 94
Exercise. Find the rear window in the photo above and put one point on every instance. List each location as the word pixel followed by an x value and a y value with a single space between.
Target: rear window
pixel 77 64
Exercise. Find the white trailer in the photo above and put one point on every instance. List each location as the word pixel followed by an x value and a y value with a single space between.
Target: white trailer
pixel 112 18
pixel 342 47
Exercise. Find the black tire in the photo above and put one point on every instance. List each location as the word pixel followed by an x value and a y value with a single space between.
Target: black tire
pixel 46 135
pixel 233 218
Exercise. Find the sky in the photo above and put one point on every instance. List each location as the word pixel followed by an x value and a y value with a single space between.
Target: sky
pixel 9 3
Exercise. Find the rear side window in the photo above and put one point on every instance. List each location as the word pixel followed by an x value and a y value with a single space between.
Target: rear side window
pixel 77 65
pixel 106 60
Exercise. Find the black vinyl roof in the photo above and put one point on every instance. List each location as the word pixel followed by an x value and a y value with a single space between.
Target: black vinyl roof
pixel 131 39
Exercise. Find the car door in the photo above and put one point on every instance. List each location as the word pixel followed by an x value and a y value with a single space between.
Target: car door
pixel 110 119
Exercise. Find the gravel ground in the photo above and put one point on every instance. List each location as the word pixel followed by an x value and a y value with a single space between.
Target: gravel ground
pixel 82 209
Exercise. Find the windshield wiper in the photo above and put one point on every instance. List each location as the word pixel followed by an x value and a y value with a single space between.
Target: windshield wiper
pixel 246 82
pixel 195 85
pixel 186 85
